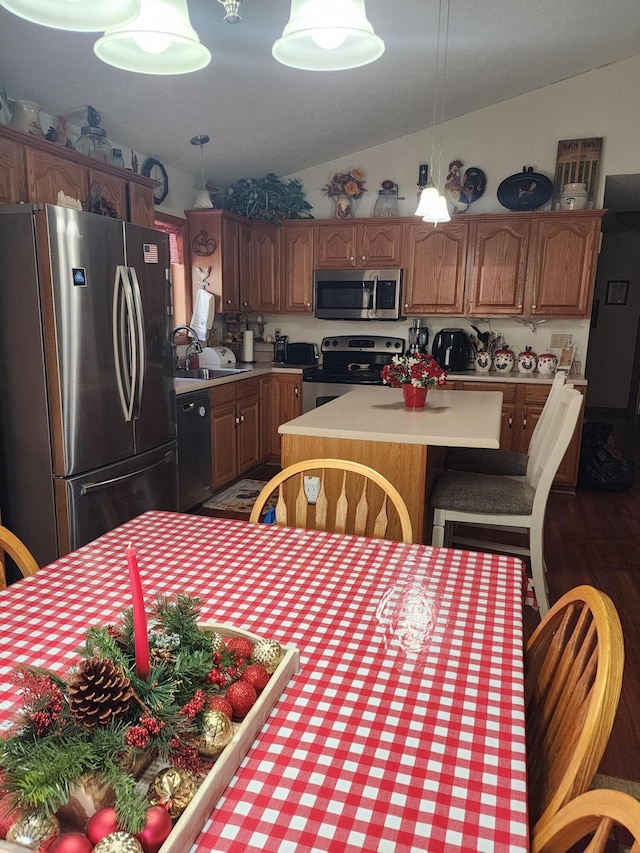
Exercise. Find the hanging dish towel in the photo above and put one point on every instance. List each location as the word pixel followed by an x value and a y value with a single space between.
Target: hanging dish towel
pixel 203 314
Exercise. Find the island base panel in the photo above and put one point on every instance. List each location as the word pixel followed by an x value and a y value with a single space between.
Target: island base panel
pixel 404 465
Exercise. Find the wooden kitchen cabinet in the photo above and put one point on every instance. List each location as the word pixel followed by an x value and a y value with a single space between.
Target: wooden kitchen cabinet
pixel 34 171
pixel 498 266
pixel 370 245
pixel 522 405
pixel 296 269
pixel 266 268
pixel 434 268
pixel 286 396
pixel 235 430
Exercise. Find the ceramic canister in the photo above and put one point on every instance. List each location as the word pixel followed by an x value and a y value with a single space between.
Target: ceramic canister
pixel 547 363
pixel 503 360
pixel 574 197
pixel 527 361
pixel 482 361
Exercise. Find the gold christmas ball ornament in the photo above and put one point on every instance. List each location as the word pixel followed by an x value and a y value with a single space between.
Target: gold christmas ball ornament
pixel 173 789
pixel 217 643
pixel 217 731
pixel 33 830
pixel 269 653
pixel 118 842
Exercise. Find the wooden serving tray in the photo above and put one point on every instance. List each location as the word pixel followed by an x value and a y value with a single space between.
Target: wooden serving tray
pixel 194 817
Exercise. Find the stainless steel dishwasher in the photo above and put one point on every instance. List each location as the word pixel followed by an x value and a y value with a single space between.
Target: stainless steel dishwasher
pixel 194 449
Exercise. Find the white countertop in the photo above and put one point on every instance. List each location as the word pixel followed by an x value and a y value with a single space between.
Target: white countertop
pixel 377 413
pixel 513 376
pixel 182 386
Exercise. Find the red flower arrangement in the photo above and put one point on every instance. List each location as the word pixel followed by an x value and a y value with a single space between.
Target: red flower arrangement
pixel 420 370
pixel 346 183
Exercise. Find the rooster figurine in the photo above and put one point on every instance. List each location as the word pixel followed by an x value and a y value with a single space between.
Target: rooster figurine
pixel 462 190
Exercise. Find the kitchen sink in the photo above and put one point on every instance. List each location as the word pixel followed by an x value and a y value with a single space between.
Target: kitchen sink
pixel 209 372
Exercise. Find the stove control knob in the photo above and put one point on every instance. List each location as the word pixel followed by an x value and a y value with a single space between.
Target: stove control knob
pixel 335 343
pixel 388 344
pixel 397 344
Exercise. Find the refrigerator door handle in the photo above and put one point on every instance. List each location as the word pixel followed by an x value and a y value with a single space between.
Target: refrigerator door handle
pixel 124 341
pixel 139 323
pixel 87 488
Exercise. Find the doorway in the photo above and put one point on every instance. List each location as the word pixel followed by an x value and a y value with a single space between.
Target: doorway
pixel 613 357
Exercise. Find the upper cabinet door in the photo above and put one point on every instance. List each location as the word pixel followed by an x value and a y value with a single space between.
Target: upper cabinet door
pixel 266 268
pixel 435 268
pixel 48 174
pixel 296 269
pixel 379 244
pixel 563 261
pixel 335 245
pixel 498 266
pixel 12 189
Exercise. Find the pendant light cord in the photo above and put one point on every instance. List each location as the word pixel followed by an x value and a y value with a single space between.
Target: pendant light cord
pixel 435 97
pixel 444 81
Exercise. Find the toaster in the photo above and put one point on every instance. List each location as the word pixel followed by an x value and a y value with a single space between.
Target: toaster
pixel 299 353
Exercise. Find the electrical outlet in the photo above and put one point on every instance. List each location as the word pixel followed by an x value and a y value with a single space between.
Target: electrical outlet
pixel 311 488
pixel 561 340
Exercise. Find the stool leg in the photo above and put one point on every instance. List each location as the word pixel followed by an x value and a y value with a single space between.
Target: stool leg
pixel 437 534
pixel 538 567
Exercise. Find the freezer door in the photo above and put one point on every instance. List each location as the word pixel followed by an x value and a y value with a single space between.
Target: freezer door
pixel 79 255
pixel 147 257
pixel 103 499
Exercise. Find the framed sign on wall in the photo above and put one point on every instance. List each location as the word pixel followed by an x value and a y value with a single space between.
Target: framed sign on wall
pixel 617 292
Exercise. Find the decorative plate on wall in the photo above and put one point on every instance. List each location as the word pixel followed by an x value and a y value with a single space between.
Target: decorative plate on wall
pixel 527 190
pixel 155 170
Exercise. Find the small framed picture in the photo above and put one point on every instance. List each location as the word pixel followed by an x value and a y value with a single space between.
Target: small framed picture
pixel 617 292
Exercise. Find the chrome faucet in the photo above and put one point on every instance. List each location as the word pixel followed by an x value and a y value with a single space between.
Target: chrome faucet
pixel 194 348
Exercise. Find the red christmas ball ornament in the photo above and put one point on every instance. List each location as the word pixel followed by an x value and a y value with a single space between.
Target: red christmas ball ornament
pixel 257 676
pixel 242 696
pixel 102 823
pixel 241 646
pixel 71 842
pixel 156 829
pixel 219 703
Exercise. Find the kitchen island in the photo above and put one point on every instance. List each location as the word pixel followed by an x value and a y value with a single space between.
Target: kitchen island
pixel 408 446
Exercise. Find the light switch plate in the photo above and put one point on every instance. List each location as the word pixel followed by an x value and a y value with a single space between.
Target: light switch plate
pixel 560 340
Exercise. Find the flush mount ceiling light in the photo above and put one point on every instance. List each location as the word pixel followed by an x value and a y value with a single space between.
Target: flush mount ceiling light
pixel 75 15
pixel 327 35
pixel 203 199
pixel 232 10
pixel 160 40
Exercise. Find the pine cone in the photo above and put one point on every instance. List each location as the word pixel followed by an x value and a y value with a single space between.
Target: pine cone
pixel 99 692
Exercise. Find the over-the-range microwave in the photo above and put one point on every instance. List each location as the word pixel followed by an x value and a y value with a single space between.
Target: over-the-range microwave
pixel 357 294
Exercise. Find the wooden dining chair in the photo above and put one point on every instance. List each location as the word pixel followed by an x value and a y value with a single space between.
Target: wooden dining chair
pixel 19 553
pixel 345 503
pixel 508 503
pixel 573 675
pixel 511 463
pixel 591 818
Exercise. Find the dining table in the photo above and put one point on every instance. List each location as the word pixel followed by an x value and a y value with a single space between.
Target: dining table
pixel 404 729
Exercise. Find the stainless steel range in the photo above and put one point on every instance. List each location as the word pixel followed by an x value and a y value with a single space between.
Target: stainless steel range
pixel 347 360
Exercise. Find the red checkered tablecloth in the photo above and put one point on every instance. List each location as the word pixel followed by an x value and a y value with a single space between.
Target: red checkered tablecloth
pixel 403 731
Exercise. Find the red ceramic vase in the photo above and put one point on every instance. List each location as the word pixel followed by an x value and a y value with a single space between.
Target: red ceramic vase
pixel 414 398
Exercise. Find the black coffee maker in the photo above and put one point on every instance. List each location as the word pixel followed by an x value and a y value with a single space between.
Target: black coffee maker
pixel 451 348
pixel 282 342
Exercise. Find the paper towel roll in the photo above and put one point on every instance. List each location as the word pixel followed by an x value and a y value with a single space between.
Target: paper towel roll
pixel 247 345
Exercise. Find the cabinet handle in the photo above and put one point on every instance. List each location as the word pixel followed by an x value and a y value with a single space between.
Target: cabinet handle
pixel 524 422
pixel 519 304
pixel 363 258
pixel 296 391
pixel 241 419
pixel 534 307
pixel 406 304
pixel 245 304
pixel 510 421
pixel 237 420
pixel 228 302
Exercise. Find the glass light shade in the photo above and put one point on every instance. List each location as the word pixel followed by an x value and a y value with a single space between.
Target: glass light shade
pixel 428 200
pixel 439 212
pixel 160 40
pixel 75 15
pixel 203 199
pixel 327 35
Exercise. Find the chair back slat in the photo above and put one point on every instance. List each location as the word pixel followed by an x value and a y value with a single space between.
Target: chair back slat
pixel 544 423
pixel 322 504
pixel 382 520
pixel 362 514
pixel 342 507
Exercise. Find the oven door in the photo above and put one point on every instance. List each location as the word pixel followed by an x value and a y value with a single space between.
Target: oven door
pixel 316 394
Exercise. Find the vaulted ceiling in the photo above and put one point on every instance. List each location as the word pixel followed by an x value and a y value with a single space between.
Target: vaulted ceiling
pixel 262 116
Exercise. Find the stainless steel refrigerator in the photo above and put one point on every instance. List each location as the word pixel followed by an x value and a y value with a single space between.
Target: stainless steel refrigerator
pixel 87 406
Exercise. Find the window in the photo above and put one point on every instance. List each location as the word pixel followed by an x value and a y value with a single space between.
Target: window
pixel 176 229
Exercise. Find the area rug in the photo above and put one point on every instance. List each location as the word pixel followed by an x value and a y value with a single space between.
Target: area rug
pixel 239 497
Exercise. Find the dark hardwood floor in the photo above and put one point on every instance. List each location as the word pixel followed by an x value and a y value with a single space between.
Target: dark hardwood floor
pixel 594 538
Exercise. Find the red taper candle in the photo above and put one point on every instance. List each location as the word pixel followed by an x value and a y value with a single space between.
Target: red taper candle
pixel 139 618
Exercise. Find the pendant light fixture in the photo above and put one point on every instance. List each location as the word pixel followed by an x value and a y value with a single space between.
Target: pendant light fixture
pixel 432 206
pixel 327 35
pixel 232 10
pixel 160 40
pixel 203 199
pixel 75 15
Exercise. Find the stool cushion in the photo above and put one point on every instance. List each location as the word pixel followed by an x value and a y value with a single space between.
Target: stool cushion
pixel 484 460
pixel 482 493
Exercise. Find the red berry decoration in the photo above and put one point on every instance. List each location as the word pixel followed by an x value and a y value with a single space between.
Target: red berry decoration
pixel 241 646
pixel 100 824
pixel 242 696
pixel 156 829
pixel 71 842
pixel 257 676
pixel 219 703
